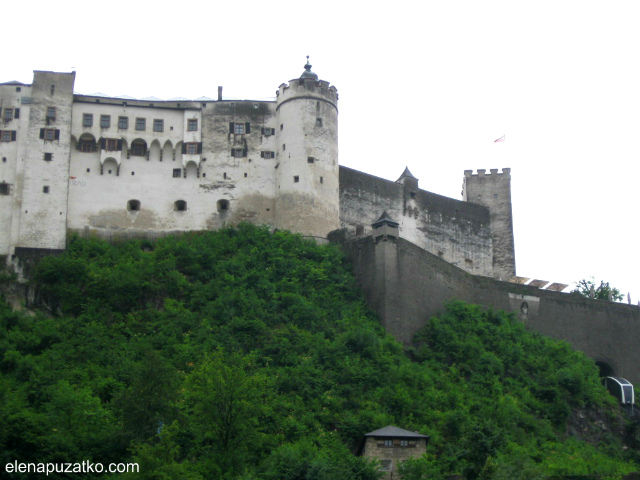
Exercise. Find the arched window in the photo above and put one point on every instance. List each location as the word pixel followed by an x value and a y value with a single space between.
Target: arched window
pixel 133 205
pixel 138 148
pixel 180 206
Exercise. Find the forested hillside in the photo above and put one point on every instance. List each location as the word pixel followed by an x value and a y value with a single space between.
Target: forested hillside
pixel 245 354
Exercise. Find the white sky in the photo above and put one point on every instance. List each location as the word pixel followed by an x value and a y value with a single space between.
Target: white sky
pixel 429 85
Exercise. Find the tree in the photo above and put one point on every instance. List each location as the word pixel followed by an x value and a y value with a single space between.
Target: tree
pixel 587 288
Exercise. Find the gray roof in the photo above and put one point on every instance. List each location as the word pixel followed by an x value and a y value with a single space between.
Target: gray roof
pixel 391 431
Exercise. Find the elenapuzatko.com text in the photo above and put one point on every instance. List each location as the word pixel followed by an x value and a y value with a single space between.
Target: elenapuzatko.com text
pixel 77 467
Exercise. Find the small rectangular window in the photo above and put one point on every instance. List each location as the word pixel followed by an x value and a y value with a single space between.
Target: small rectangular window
pixel 8 114
pixel 141 123
pixel 268 131
pixel 45 189
pixel 238 128
pixel 87 119
pixel 49 134
pixel 5 136
pixel 48 157
pixel 386 465
pixel 5 189
pixel 267 155
pixel 296 179
pixel 310 159
pixel 123 123
pixel 105 121
pixel 318 122
pixel 177 173
pixel 51 113
pixel 192 125
pixel 238 152
pixel 158 125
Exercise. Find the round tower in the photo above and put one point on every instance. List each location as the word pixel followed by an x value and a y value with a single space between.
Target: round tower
pixel 307 197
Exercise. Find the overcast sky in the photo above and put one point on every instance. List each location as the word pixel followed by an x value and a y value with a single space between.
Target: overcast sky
pixel 429 85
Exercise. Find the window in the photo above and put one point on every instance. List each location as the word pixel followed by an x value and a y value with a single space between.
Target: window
pixel 404 443
pixel 51 113
pixel 238 152
pixel 158 125
pixel 177 172
pixel 267 154
pixel 388 443
pixel 386 465
pixel 5 189
pixel 141 123
pixel 239 128
pixel 223 205
pixel 105 121
pixel 8 114
pixel 111 144
pixel 48 157
pixel 192 148
pixel 139 148
pixel 133 205
pixel 86 145
pixel 318 122
pixel 180 206
pixel 268 131
pixel 192 125
pixel 87 119
pixel 310 159
pixel 7 135
pixel 49 134
pixel 123 123
pixel 45 189
pixel 296 179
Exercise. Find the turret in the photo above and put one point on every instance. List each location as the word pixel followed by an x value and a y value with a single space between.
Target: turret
pixel 307 198
pixel 494 191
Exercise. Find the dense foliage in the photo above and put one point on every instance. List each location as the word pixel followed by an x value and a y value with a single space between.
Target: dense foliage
pixel 245 354
pixel 590 289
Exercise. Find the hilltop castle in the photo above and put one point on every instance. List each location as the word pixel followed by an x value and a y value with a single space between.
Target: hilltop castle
pixel 120 167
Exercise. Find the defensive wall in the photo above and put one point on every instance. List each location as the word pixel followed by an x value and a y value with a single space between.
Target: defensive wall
pixel 406 285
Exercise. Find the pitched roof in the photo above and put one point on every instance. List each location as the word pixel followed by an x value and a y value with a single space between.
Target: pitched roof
pixel 391 431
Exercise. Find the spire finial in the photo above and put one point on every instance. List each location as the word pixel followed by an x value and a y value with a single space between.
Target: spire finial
pixel 307 71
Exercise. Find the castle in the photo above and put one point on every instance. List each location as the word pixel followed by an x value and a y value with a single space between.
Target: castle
pixel 119 167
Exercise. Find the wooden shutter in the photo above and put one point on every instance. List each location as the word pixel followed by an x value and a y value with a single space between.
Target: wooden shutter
pixel 42 133
pixel 16 113
pixel 13 136
pixel 262 154
pixel 119 147
pixel 231 127
pixel 244 150
pixel 103 144
pixel 247 127
pixel 199 148
pixel 184 148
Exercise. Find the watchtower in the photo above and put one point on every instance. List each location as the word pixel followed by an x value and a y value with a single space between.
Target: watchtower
pixel 494 191
pixel 307 198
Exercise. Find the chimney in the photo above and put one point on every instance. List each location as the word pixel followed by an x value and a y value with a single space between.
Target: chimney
pixel 219 93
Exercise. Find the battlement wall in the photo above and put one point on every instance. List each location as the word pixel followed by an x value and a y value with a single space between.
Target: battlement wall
pixel 407 285
pixel 456 231
pixel 482 172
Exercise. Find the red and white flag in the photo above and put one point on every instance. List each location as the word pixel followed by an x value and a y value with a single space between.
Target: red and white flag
pixel 501 139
